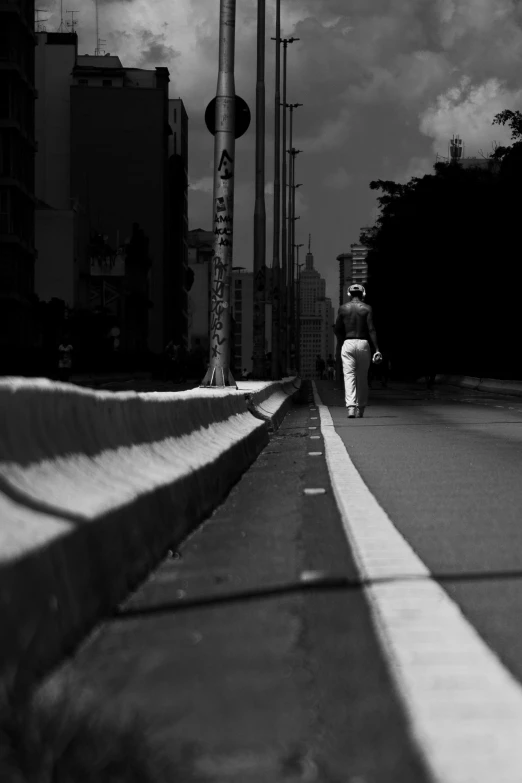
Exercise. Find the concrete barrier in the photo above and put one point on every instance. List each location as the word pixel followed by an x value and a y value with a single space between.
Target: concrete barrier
pixel 270 402
pixel 95 487
pixel 491 385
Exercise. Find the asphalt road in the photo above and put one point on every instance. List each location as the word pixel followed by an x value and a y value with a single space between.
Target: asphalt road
pixel 446 466
pixel 249 672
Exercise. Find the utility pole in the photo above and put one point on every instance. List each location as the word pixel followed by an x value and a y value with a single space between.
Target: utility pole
pixel 298 310
pixel 260 212
pixel 291 238
pixel 294 218
pixel 218 373
pixel 291 221
pixel 284 241
pixel 276 269
pixel 293 289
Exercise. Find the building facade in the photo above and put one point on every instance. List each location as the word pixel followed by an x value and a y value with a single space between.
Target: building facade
pixel 176 271
pixel 353 268
pixel 345 275
pixel 61 229
pixel 200 253
pixel 120 176
pixel 359 264
pixel 242 311
pixel 316 319
pixel 17 200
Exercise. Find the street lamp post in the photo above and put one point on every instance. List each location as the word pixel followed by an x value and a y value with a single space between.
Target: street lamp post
pixel 276 268
pixel 295 312
pixel 259 211
pixel 218 373
pixel 291 224
pixel 292 217
pixel 284 240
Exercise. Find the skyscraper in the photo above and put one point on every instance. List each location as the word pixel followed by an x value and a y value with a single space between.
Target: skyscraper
pixel 176 270
pixel 359 263
pixel 242 305
pixel 119 173
pixel 17 149
pixel 345 275
pixel 61 230
pixel 316 318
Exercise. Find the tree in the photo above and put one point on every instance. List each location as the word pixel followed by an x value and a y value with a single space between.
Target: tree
pixel 442 241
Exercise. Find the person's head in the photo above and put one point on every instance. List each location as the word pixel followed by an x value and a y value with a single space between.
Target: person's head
pixel 356 291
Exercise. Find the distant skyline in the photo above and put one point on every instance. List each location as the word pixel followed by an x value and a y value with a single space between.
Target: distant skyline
pixel 384 83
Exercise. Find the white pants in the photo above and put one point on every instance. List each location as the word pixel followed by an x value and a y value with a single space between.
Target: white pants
pixel 356 357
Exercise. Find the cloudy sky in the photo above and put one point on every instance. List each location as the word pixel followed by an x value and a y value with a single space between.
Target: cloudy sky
pixel 384 83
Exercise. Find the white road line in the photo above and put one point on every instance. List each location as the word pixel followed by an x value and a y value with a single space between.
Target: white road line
pixel 464 707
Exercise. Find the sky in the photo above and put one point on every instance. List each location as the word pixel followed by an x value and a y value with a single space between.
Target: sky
pixel 384 85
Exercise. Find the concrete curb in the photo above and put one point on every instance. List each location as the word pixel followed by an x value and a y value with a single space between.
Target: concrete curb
pixel 271 404
pixel 491 385
pixel 94 488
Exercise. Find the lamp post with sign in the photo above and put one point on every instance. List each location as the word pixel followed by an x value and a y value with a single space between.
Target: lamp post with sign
pixel 259 211
pixel 225 129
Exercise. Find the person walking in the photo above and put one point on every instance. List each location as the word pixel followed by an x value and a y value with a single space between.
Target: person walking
pixel 65 354
pixel 330 367
pixel 319 366
pixel 354 329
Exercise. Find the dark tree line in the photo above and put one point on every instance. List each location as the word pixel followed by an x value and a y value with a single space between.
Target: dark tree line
pixel 444 262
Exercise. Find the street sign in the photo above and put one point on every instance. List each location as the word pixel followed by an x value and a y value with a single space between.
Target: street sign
pixel 242 117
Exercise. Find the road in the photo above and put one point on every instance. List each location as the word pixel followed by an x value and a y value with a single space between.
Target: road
pixel 252 651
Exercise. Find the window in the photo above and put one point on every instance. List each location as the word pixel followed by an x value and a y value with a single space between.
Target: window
pixel 107 82
pixel 83 81
pixel 238 284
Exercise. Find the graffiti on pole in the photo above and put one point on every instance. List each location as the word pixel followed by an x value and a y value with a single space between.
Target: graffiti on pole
pixel 227 164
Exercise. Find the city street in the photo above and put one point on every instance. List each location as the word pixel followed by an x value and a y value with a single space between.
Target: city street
pixel 252 651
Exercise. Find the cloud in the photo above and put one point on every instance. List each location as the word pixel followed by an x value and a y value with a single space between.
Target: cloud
pixel 203 184
pixel 155 49
pixel 468 110
pixel 459 18
pixel 417 166
pixel 331 134
pixel 409 78
pixel 384 83
pixel 338 179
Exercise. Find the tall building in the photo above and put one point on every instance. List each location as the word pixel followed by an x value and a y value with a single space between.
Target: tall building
pixel 176 271
pixel 200 253
pixel 17 150
pixel 120 175
pixel 316 318
pixel 61 229
pixel 359 264
pixel 242 309
pixel 353 268
pixel 345 275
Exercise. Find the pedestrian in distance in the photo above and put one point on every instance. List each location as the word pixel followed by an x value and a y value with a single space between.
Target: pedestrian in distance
pixel 65 353
pixel 330 368
pixel 320 365
pixel 354 328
